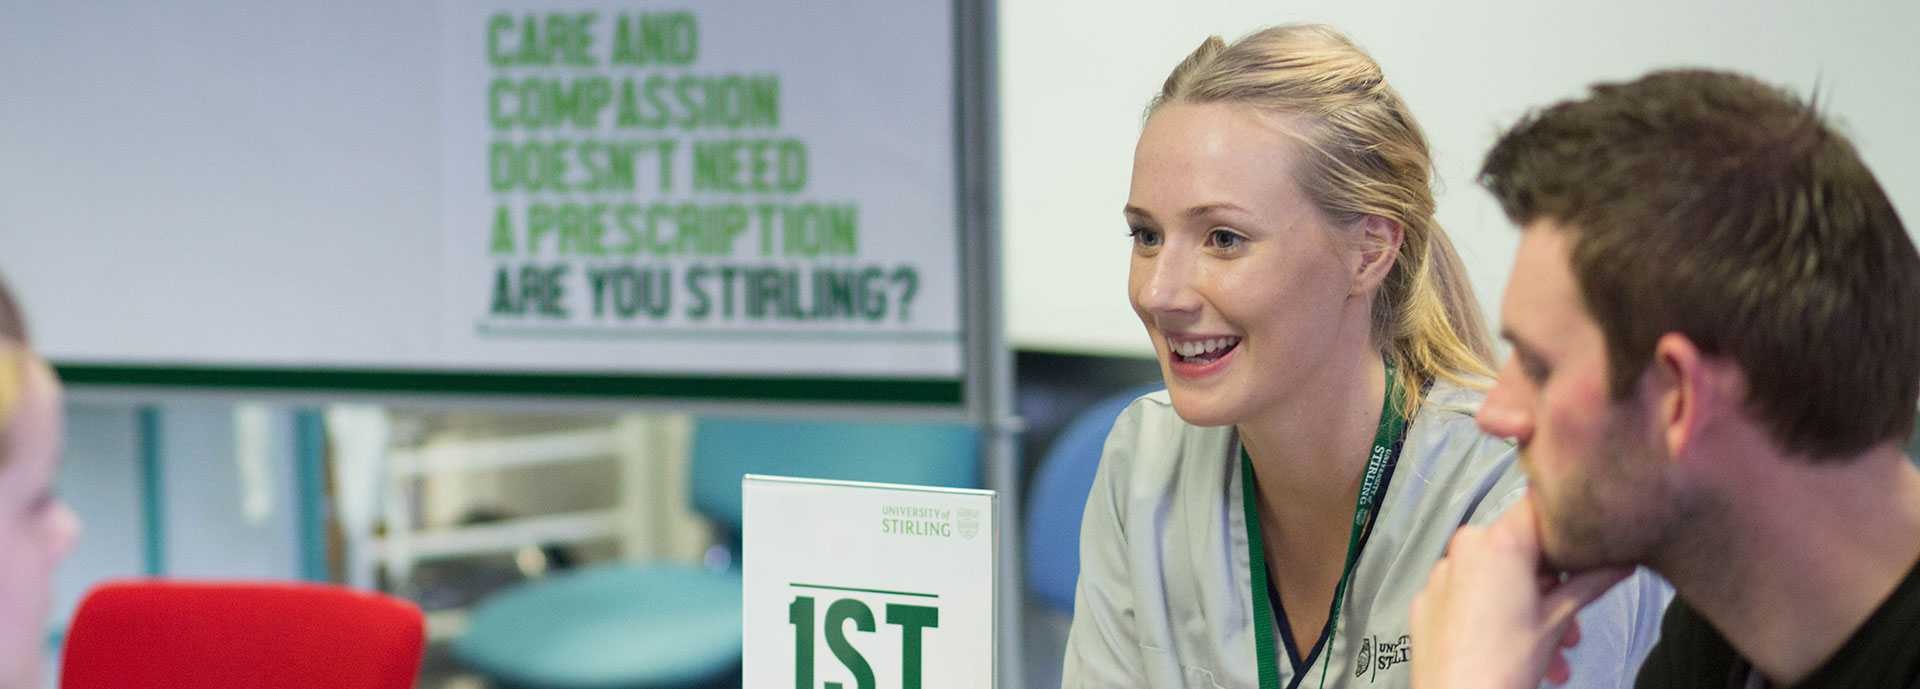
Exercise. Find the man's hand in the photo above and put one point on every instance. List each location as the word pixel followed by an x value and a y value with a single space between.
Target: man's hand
pixel 1489 618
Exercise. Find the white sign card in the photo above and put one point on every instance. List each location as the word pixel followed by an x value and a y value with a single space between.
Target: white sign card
pixel 867 585
pixel 726 187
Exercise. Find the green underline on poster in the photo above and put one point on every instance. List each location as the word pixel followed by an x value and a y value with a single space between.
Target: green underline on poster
pixel 557 331
pixel 603 385
pixel 861 590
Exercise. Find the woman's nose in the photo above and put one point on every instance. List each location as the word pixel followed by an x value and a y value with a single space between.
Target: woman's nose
pixel 1166 285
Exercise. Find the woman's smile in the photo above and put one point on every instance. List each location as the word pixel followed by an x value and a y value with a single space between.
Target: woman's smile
pixel 1199 357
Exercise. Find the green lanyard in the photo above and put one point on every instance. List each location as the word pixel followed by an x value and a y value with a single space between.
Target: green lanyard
pixel 1386 444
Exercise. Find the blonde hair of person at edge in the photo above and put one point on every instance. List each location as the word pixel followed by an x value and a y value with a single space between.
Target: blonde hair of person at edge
pixel 1267 520
pixel 37 531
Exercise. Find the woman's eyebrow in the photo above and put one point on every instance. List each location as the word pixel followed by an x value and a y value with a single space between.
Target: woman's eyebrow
pixel 1194 212
pixel 1210 208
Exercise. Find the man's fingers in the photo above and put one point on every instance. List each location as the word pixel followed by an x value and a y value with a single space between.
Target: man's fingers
pixel 1437 579
pixel 1558 670
pixel 1519 528
pixel 1560 603
pixel 1435 589
pixel 1464 539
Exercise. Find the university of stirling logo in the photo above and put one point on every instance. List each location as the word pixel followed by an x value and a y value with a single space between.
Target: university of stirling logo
pixel 968 520
pixel 1380 654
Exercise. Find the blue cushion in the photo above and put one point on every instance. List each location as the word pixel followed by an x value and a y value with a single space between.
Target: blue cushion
pixel 609 627
pixel 1059 497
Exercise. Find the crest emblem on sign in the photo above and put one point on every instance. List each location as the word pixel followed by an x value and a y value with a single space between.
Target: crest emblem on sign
pixel 968 520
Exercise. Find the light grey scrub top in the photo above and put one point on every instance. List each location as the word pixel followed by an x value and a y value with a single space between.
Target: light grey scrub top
pixel 1165 586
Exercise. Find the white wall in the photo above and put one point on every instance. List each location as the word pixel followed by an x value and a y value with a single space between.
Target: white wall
pixel 206 533
pixel 100 479
pixel 1076 73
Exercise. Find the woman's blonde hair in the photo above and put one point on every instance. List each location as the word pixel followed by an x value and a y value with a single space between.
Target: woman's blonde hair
pixel 13 364
pixel 1363 155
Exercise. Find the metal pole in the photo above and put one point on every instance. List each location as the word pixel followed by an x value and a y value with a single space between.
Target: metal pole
pixel 989 386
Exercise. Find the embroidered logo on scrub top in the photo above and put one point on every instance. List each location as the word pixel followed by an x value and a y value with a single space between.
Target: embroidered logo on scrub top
pixel 1379 654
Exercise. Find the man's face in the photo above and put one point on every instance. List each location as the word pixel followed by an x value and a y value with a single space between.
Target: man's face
pixel 1597 467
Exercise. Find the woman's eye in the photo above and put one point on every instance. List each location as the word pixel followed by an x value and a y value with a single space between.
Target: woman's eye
pixel 1224 239
pixel 1143 237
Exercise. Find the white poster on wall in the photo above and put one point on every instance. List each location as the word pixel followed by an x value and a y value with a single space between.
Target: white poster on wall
pixel 867 585
pixel 716 188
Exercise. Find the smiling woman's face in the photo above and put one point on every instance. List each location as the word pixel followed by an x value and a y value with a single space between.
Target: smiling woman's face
pixel 1243 285
pixel 36 529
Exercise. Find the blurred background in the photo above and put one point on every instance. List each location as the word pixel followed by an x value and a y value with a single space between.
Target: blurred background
pixel 263 246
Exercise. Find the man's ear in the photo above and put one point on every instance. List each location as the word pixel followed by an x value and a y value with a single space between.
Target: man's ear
pixel 1690 390
pixel 1379 248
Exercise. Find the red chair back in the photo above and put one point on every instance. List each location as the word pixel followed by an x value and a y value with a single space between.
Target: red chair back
pixel 159 634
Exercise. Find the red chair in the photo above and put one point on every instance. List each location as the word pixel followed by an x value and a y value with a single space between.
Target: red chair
pixel 161 634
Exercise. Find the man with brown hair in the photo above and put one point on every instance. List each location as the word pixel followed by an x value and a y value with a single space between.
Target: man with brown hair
pixel 1715 321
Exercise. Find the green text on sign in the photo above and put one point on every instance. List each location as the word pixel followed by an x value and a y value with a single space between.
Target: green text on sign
pixel 911 619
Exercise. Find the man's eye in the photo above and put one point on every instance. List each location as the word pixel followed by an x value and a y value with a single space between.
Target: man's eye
pixel 1533 369
pixel 1144 237
pixel 1224 239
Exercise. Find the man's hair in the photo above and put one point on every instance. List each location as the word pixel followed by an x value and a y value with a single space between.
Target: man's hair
pixel 1729 211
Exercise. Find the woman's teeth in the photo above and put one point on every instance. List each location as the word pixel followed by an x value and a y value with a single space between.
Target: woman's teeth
pixel 1204 350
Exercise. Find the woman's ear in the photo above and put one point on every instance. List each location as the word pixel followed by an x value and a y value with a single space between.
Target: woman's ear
pixel 1379 248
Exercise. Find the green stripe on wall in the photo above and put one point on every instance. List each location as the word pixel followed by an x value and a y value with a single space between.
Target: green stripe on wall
pixel 931 392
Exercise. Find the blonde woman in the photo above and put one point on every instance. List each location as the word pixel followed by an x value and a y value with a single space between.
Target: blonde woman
pixel 37 531
pixel 1266 521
